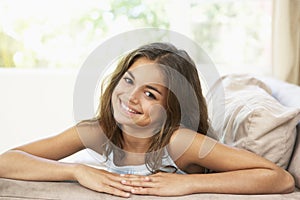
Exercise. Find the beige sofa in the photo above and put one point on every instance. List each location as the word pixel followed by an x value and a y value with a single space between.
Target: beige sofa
pixel 15 190
pixel 287 94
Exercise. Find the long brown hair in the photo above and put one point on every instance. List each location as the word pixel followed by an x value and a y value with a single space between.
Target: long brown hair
pixel 190 112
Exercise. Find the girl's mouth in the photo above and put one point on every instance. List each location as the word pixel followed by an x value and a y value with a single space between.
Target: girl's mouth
pixel 129 110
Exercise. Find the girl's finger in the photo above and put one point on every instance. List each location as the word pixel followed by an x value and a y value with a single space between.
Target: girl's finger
pixel 128 177
pixel 145 191
pixel 118 177
pixel 131 176
pixel 115 191
pixel 120 186
pixel 138 183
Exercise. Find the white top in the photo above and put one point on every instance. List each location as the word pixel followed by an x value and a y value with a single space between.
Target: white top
pixel 110 166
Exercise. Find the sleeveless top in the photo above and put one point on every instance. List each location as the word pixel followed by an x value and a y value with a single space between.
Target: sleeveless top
pixel 110 166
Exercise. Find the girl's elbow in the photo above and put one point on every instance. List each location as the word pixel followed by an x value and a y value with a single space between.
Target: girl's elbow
pixel 290 183
pixel 287 183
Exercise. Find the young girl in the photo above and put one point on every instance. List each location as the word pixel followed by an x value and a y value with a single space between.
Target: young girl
pixel 151 131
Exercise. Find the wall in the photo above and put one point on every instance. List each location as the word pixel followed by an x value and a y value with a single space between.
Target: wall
pixel 34 103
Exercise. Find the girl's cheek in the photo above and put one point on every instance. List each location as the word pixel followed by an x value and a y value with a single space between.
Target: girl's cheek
pixel 122 87
pixel 158 112
pixel 119 88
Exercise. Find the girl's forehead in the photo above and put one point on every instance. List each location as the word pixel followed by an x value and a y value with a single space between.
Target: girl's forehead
pixel 141 61
pixel 145 70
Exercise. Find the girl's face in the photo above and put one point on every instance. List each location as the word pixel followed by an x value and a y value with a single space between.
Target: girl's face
pixel 139 98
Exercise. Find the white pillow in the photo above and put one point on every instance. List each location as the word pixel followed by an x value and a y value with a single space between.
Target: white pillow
pixel 256 121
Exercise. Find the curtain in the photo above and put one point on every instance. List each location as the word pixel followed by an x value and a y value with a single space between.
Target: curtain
pixel 286 40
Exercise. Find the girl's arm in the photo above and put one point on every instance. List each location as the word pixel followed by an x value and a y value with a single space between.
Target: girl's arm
pixel 237 171
pixel 38 161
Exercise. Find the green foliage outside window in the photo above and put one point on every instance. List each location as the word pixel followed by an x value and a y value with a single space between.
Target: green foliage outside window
pixel 64 35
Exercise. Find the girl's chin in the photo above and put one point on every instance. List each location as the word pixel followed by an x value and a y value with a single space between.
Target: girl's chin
pixel 134 123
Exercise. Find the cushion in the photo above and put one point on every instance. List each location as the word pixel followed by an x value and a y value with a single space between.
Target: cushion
pixel 289 95
pixel 294 167
pixel 256 121
pixel 39 190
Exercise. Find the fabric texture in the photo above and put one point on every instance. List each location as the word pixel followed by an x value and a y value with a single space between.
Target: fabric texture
pixel 294 167
pixel 133 169
pixel 256 121
pixel 286 40
pixel 288 95
pixel 16 190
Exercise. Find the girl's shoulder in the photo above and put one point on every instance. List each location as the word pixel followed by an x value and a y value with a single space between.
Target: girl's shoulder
pixel 185 135
pixel 185 149
pixel 91 134
pixel 89 123
pixel 89 127
pixel 181 141
pixel 190 143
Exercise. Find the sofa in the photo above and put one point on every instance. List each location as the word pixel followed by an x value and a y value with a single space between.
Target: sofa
pixel 285 94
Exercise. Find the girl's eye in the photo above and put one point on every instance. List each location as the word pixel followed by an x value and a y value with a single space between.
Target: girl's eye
pixel 128 80
pixel 150 95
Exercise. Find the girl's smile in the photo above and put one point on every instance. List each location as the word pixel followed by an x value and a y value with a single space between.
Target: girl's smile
pixel 129 110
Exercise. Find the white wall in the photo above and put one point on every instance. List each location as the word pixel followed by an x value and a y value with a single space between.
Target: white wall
pixel 34 103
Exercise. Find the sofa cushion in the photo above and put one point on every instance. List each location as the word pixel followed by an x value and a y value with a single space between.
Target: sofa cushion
pixel 256 121
pixel 38 190
pixel 289 95
pixel 294 167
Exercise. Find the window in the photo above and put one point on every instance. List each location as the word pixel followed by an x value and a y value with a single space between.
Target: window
pixel 60 34
pixel 236 34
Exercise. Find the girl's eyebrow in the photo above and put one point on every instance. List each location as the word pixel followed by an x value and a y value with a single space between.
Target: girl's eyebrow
pixel 153 88
pixel 131 75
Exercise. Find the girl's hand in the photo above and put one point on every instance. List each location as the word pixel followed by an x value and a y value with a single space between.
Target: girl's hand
pixel 160 184
pixel 101 181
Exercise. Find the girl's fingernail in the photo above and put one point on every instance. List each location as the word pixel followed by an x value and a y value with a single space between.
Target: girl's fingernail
pixel 123 181
pixel 133 190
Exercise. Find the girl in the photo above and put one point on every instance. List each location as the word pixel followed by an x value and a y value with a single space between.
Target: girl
pixel 152 121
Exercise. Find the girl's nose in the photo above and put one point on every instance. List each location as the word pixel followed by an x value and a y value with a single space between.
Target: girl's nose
pixel 134 97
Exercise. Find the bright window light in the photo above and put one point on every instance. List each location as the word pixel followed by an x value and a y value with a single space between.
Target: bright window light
pixel 60 34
